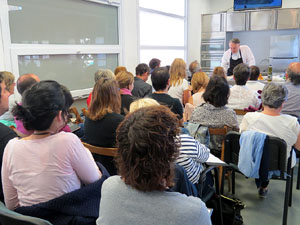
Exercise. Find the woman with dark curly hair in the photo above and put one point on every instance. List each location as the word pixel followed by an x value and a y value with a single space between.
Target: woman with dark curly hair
pixel 147 150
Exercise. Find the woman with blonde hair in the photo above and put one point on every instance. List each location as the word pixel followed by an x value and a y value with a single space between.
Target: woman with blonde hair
pixel 103 118
pixel 125 80
pixel 178 83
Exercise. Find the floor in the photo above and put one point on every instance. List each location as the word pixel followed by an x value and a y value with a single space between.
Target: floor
pixel 267 211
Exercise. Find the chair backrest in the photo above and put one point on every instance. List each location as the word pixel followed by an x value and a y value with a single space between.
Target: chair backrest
pixel 84 111
pixel 101 150
pixel 240 112
pixel 218 131
pixel 8 217
pixel 275 145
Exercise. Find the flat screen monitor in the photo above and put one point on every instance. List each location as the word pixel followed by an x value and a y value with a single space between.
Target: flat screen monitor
pixel 256 4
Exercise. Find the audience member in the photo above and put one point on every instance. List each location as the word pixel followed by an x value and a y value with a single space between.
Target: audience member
pixel 240 95
pixel 178 83
pixel 253 82
pixel 103 118
pixel 126 84
pixel 5 132
pixel 192 154
pixel 154 63
pixel 101 73
pixel 161 82
pixel 141 88
pixel 214 113
pixel 25 81
pixel 147 150
pixel 292 106
pixel 199 83
pixel 194 68
pixel 9 80
pixel 119 69
pixel 219 71
pixel 271 122
pixel 48 163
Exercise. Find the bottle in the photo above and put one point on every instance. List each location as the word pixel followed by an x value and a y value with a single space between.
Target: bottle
pixel 270 73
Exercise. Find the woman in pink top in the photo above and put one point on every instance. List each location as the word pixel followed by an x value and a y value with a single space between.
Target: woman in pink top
pixel 48 163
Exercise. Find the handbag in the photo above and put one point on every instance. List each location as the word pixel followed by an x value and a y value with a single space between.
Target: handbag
pixel 231 210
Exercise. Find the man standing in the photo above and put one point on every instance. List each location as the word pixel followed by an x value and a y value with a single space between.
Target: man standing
pixel 141 88
pixel 5 132
pixel 235 55
pixel 292 106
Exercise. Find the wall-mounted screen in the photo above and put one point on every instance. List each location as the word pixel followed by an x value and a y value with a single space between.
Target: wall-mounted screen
pixel 256 4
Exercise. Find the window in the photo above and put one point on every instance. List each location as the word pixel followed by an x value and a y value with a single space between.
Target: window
pixel 64 40
pixel 162 30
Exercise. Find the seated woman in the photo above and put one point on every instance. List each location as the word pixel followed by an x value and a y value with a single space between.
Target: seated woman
pixel 213 113
pixel 271 122
pixel 101 73
pixel 147 150
pixel 199 83
pixel 125 80
pixel 103 118
pixel 48 163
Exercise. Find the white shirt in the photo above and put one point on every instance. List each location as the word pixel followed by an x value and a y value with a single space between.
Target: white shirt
pixel 242 97
pixel 177 91
pixel 247 56
pixel 255 85
pixel 284 126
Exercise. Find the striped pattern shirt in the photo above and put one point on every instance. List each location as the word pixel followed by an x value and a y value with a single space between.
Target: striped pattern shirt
pixel 191 156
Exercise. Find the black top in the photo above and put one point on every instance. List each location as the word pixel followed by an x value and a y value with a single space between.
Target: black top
pixel 173 103
pixel 141 88
pixel 103 133
pixel 126 100
pixel 5 135
pixel 233 63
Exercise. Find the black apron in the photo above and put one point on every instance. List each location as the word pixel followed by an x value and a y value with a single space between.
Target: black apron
pixel 233 63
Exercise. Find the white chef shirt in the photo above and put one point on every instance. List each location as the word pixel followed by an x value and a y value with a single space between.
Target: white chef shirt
pixel 247 56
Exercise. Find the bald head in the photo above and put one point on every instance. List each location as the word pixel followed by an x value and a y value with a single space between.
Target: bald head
pixel 26 81
pixel 293 73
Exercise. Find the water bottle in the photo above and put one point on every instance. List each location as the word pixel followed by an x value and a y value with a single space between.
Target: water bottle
pixel 270 73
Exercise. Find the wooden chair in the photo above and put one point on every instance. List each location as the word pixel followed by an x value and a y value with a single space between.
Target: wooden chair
pixel 101 150
pixel 77 115
pixel 222 132
pixel 277 161
pixel 240 112
pixel 84 111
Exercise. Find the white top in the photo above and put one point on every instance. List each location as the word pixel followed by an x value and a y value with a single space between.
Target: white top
pixel 284 126
pixel 247 56
pixel 197 98
pixel 242 97
pixel 177 91
pixel 35 171
pixel 255 85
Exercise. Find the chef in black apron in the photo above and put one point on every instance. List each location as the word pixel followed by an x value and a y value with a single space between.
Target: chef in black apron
pixel 233 63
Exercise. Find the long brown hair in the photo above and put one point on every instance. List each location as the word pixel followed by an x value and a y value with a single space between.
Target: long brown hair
pixel 106 99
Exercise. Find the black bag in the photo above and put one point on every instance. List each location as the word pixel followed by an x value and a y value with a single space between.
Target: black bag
pixel 231 210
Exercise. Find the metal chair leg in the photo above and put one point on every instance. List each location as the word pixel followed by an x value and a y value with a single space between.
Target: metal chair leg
pixel 218 193
pixel 291 187
pixel 233 182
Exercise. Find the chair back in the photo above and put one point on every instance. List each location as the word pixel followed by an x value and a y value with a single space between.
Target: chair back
pixel 77 115
pixel 275 145
pixel 8 217
pixel 101 150
pixel 240 112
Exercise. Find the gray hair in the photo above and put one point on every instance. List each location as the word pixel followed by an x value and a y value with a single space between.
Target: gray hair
pixel 104 73
pixel 235 41
pixel 273 95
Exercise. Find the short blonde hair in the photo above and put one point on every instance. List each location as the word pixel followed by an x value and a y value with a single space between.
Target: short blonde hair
pixel 143 102
pixel 177 72
pixel 199 80
pixel 124 79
